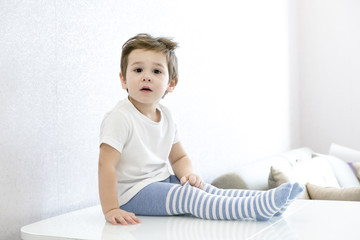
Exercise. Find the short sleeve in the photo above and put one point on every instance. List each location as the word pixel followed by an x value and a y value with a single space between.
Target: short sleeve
pixel 114 130
pixel 177 136
pixel 173 125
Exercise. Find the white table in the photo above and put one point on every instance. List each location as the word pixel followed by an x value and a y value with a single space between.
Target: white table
pixel 304 219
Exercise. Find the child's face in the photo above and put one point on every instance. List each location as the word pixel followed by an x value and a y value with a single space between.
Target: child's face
pixel 147 76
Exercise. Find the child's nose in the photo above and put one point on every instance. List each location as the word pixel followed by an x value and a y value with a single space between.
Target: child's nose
pixel 146 78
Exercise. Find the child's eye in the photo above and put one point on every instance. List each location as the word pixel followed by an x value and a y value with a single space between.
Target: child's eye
pixel 138 70
pixel 156 71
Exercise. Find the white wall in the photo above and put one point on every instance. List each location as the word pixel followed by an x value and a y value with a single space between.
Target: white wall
pixel 329 73
pixel 59 62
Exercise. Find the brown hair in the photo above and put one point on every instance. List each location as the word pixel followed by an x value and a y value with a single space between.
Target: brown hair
pixel 147 42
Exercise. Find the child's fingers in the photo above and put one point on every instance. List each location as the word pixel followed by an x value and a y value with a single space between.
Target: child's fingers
pixel 130 220
pixel 119 216
pixel 112 220
pixel 196 181
pixel 121 220
pixel 183 180
pixel 137 220
pixel 132 215
pixel 193 180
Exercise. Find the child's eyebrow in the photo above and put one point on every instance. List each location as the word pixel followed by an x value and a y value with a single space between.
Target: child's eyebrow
pixel 159 65
pixel 140 63
pixel 136 63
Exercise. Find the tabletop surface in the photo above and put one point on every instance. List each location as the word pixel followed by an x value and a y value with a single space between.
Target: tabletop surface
pixel 304 219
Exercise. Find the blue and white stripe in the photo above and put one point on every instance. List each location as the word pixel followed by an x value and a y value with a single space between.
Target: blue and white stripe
pixel 230 192
pixel 213 203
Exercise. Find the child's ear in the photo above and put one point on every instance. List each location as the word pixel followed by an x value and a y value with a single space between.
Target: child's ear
pixel 123 81
pixel 172 84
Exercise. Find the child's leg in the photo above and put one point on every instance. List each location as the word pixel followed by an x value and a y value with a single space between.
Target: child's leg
pixel 188 199
pixel 150 201
pixel 164 198
pixel 222 192
pixel 230 192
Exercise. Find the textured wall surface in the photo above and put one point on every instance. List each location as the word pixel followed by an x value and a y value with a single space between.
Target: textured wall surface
pixel 59 64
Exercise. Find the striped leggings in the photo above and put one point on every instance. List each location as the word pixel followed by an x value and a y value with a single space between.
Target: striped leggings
pixel 169 197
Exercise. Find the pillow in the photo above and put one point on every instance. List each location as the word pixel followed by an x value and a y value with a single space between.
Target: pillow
pixel 296 155
pixel 356 166
pixel 332 193
pixel 352 158
pixel 345 153
pixel 343 172
pixel 316 170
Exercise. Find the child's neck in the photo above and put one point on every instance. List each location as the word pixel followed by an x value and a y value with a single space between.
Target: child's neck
pixel 148 110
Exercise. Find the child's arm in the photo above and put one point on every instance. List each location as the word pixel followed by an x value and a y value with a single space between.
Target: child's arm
pixel 182 167
pixel 109 158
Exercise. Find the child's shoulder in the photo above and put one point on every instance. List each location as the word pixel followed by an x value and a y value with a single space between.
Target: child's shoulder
pixel 163 107
pixel 166 111
pixel 120 111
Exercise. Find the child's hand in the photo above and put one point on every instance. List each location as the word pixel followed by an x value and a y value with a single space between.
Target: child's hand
pixel 118 215
pixel 193 179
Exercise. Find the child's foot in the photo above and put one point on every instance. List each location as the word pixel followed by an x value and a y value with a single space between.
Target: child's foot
pixel 297 188
pixel 270 202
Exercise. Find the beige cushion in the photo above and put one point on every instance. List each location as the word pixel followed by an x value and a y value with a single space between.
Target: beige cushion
pixel 332 193
pixel 278 177
pixel 316 170
pixel 229 181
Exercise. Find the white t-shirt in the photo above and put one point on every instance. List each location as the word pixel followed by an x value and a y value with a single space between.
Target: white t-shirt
pixel 144 145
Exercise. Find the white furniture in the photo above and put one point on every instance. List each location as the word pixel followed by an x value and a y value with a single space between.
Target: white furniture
pixel 304 219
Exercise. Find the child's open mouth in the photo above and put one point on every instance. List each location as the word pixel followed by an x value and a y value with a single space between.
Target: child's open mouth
pixel 146 89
